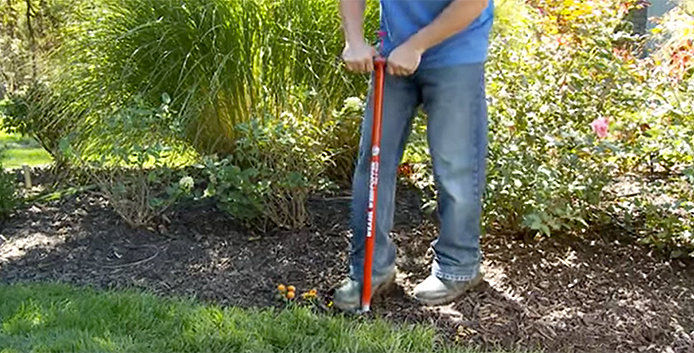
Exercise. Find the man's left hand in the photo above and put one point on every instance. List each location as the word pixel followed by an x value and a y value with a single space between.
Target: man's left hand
pixel 404 60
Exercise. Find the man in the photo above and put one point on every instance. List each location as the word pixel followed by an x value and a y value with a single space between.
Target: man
pixel 435 52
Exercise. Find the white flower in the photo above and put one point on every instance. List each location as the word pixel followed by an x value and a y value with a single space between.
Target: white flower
pixel 353 103
pixel 186 183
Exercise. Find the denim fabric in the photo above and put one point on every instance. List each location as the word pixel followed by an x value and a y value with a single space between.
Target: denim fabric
pixel 454 100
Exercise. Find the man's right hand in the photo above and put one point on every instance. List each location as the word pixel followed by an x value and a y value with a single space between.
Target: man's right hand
pixel 359 57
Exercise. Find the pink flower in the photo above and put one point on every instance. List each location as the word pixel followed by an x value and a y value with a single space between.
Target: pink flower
pixel 600 126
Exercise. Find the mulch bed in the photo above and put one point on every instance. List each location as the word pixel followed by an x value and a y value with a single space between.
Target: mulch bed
pixel 593 294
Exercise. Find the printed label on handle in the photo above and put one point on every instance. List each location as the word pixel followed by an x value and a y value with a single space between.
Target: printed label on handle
pixel 372 195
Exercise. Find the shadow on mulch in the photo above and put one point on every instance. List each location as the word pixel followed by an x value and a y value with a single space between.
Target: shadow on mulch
pixel 594 294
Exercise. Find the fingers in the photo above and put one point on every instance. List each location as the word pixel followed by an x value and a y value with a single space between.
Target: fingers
pixel 369 65
pixel 363 65
pixel 403 61
pixel 360 59
pixel 395 69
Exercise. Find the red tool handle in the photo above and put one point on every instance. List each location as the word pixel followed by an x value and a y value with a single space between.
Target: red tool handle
pixel 379 83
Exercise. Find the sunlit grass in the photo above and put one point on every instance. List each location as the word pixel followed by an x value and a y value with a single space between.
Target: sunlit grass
pixel 59 318
pixel 17 150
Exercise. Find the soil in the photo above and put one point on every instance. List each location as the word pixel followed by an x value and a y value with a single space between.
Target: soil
pixel 596 293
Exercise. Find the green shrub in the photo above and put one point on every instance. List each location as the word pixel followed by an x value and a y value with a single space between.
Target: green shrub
pixel 240 72
pixel 268 179
pixel 657 142
pixel 340 138
pixel 136 178
pixel 664 216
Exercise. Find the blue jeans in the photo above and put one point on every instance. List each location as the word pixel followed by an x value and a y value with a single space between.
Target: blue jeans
pixel 454 100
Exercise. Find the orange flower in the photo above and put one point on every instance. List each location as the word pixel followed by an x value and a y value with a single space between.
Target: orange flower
pixel 562 40
pixel 310 294
pixel 405 169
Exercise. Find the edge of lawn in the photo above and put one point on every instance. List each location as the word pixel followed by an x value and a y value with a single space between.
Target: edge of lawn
pixel 58 317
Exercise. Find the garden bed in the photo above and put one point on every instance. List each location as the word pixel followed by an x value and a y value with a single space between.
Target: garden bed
pixel 600 293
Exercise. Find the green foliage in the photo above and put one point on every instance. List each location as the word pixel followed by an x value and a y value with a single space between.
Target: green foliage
pixel 546 168
pixel 658 142
pixel 239 74
pixel 28 30
pixel 13 70
pixel 34 113
pixel 136 179
pixel 9 198
pixel 669 217
pixel 339 136
pixel 223 62
pixel 267 180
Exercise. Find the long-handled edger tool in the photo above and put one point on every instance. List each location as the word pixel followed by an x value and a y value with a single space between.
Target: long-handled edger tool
pixel 379 83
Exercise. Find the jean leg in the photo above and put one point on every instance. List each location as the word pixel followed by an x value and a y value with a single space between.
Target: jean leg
pixel 454 99
pixel 400 99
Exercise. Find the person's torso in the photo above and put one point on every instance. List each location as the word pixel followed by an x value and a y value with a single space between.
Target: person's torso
pixel 400 19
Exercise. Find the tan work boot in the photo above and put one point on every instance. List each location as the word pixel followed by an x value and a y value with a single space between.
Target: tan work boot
pixel 437 291
pixel 348 295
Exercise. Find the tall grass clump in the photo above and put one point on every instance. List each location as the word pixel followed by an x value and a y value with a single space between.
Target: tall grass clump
pixel 223 62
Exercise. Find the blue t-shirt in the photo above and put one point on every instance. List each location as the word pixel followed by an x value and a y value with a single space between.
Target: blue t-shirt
pixel 400 19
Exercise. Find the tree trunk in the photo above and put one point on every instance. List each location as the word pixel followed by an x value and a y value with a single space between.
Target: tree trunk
pixel 32 39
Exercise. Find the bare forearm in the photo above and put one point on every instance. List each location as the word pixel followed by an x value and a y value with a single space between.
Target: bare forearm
pixel 358 55
pixel 454 18
pixel 352 12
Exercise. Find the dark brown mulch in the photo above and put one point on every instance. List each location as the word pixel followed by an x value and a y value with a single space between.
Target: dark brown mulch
pixel 594 294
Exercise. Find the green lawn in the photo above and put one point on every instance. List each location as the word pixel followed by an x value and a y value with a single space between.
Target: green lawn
pixel 59 318
pixel 21 150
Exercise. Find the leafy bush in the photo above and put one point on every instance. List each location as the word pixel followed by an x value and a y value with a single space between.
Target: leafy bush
pixel 28 30
pixel 547 167
pixel 268 179
pixel 658 142
pixel 340 138
pixel 662 214
pixel 136 179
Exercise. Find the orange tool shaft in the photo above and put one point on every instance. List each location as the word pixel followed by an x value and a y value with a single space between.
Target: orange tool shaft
pixel 379 83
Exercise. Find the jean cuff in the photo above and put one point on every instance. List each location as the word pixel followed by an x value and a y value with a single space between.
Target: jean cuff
pixel 457 276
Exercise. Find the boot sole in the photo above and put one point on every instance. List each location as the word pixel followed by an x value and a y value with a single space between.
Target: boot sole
pixel 450 298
